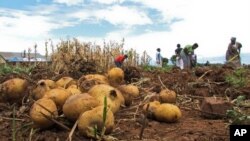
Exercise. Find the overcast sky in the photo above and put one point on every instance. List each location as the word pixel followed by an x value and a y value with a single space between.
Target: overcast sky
pixel 145 24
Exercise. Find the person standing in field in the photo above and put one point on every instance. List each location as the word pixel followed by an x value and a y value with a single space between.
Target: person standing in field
pixel 179 61
pixel 158 58
pixel 120 59
pixel 188 56
pixel 233 52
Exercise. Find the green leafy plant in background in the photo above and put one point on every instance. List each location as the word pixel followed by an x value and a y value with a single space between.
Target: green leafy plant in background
pixel 173 59
pixel 164 62
pixel 6 69
pixel 166 68
pixel 238 78
pixel 237 115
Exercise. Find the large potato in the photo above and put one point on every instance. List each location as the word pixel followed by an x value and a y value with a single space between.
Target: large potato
pixel 75 105
pixel 88 81
pixel 58 95
pixel 114 97
pixel 40 90
pixel 13 90
pixel 167 96
pixel 94 118
pixel 167 113
pixel 129 92
pixel 98 77
pixel 37 110
pixel 73 89
pixel 65 82
pixel 116 75
pixel 151 109
pixel 130 89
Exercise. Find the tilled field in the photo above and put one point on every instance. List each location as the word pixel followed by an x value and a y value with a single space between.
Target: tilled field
pixel 130 122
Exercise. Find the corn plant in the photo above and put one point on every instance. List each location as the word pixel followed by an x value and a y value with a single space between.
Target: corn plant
pixel 71 52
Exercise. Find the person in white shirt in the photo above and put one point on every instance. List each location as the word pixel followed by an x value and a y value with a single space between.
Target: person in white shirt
pixel 158 58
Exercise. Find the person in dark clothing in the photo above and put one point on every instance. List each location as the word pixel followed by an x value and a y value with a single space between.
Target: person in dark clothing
pixel 179 61
pixel 120 59
pixel 178 50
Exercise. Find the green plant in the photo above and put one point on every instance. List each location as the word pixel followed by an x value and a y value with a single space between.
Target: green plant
pixel 166 68
pixel 100 135
pixel 6 69
pixel 173 59
pixel 104 116
pixel 237 115
pixel 164 62
pixel 238 78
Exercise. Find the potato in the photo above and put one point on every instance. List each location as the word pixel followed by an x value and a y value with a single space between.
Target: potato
pixel 167 113
pixel 75 105
pixel 58 95
pixel 65 82
pixel 50 83
pixel 114 97
pixel 130 89
pixel 73 90
pixel 128 98
pixel 89 119
pixel 37 111
pixel 88 81
pixel 167 96
pixel 98 77
pixel 13 90
pixel 40 90
pixel 151 109
pixel 116 75
pixel 129 92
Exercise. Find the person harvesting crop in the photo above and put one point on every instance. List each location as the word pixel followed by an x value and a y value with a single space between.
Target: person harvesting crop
pixel 120 59
pixel 233 52
pixel 188 56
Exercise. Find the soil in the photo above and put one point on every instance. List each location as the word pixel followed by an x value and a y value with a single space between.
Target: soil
pixel 191 87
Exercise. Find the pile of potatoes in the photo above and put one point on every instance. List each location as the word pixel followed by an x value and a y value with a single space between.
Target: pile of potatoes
pixel 164 112
pixel 79 100
pixel 83 100
pixel 163 109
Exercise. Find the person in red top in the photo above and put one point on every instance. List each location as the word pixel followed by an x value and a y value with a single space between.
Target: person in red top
pixel 119 60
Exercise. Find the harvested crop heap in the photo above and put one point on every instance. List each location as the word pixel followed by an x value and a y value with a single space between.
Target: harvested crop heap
pixel 104 106
pixel 85 101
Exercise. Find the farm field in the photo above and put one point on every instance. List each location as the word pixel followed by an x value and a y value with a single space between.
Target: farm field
pixel 124 70
pixel 48 101
pixel 191 88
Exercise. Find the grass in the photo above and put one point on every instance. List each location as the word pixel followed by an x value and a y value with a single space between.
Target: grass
pixel 104 116
pixel 100 135
pixel 14 124
pixel 154 68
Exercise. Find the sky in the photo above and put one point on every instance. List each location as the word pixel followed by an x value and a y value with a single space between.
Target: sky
pixel 145 24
